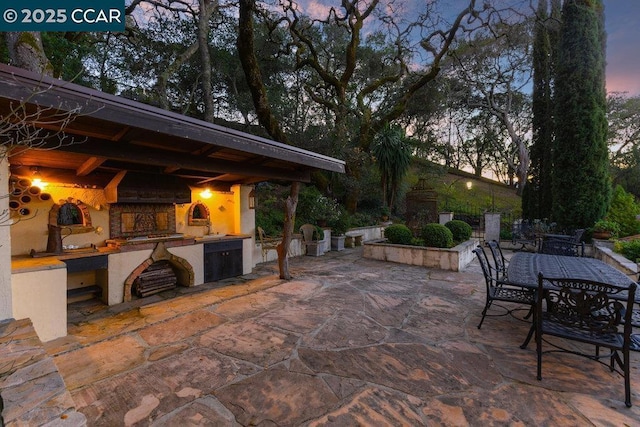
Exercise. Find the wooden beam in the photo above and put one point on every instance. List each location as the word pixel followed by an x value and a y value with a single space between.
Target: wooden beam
pixel 90 165
pixel 148 156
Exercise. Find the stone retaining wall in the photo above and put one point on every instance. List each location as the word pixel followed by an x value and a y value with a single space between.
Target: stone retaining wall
pixel 603 250
pixel 454 259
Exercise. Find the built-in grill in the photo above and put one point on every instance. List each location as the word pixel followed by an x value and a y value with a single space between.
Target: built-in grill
pixel 158 277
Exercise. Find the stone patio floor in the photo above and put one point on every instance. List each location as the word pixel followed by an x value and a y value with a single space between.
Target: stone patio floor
pixel 349 341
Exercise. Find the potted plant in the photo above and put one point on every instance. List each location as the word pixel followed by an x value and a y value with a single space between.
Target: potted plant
pixel 385 213
pixel 605 229
pixel 339 227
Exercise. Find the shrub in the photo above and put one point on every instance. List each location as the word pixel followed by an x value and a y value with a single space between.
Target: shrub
pixel 341 224
pixel 623 210
pixel 461 230
pixel 604 225
pixel 630 249
pixel 437 236
pixel 398 234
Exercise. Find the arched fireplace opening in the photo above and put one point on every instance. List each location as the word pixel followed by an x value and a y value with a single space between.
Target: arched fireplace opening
pixel 162 270
pixel 158 277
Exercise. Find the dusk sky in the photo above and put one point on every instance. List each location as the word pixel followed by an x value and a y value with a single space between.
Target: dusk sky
pixel 622 21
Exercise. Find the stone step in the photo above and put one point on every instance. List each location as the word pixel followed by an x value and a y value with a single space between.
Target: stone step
pixel 32 391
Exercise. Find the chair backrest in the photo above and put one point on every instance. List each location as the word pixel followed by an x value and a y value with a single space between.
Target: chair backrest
pixel 261 235
pixel 577 235
pixel 498 258
pixel 307 231
pixel 594 308
pixel 561 247
pixel 484 264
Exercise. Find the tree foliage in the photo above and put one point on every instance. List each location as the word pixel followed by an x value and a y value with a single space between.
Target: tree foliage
pixel 537 198
pixel 580 180
pixel 392 156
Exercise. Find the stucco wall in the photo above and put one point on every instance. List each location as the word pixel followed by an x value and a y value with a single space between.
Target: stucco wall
pixel 6 310
pixel 194 255
pixel 42 297
pixel 120 266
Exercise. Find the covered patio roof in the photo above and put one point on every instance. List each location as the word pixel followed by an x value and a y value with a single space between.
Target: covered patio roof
pixel 111 134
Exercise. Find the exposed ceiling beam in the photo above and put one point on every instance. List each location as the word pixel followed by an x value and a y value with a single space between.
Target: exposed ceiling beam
pixel 150 156
pixel 90 165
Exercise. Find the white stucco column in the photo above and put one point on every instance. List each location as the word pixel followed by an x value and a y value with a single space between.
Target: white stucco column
pixel 245 223
pixel 445 217
pixel 6 306
pixel 491 226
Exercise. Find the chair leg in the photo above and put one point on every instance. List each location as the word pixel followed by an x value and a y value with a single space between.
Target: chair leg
pixel 539 353
pixel 484 313
pixel 529 335
pixel 627 378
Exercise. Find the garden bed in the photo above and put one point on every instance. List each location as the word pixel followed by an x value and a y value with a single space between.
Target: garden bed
pixel 454 259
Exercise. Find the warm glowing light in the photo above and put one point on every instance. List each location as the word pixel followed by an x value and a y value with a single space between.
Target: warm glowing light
pixel 37 182
pixel 206 194
pixel 469 185
pixel 36 179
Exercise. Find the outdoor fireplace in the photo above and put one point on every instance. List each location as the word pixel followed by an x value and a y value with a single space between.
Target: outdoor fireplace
pixel 161 271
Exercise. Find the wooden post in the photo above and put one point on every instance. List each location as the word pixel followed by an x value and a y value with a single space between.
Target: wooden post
pixel 290 206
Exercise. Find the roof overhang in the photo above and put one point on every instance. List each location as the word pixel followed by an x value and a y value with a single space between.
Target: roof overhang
pixel 108 134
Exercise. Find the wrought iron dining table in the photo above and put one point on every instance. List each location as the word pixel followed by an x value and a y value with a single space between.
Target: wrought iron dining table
pixel 524 267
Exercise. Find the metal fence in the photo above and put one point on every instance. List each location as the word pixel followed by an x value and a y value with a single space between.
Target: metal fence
pixel 475 218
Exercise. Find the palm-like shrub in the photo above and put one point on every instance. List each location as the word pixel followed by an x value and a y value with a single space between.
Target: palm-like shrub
pixel 398 234
pixel 437 236
pixel 461 230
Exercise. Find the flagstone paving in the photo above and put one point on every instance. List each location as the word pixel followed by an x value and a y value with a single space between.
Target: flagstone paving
pixel 348 341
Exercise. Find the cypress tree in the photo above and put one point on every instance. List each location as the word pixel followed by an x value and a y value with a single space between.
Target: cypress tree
pixel 535 203
pixel 580 177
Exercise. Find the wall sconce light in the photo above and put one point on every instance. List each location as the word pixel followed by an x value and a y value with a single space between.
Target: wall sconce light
pixel 206 193
pixel 252 199
pixel 469 185
pixel 36 179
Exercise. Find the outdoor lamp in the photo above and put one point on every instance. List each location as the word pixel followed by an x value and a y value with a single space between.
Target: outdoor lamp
pixel 252 199
pixel 206 193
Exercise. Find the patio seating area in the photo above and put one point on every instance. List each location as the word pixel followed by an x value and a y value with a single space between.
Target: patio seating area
pixel 348 341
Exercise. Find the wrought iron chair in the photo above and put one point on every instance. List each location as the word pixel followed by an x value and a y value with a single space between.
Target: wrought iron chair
pixel 266 244
pixel 523 233
pixel 499 260
pixel 562 247
pixel 590 312
pixel 501 290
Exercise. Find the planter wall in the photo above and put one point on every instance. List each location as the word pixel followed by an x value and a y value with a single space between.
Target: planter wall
pixel 454 259
pixel 604 252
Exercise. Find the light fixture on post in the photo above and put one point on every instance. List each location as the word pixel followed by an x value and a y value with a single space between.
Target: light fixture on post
pixel 252 199
pixel 469 185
